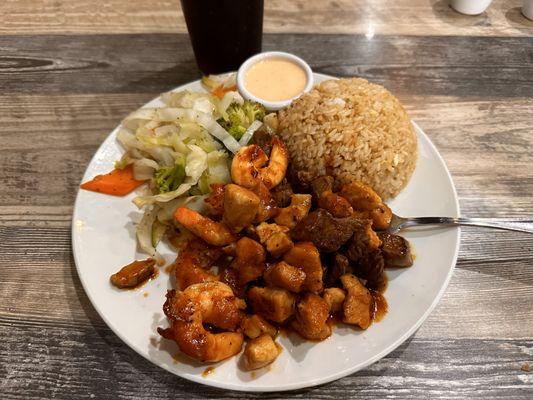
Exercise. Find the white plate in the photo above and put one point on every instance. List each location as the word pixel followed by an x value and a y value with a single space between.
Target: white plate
pixel 103 240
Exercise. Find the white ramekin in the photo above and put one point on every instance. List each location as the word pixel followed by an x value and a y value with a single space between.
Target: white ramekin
pixel 272 105
pixel 470 7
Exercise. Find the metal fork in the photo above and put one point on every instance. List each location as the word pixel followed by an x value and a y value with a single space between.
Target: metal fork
pixel 511 224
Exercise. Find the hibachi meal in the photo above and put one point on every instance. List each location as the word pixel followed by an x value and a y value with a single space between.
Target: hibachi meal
pixel 288 231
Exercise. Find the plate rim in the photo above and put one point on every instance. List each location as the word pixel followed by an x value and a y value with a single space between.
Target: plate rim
pixel 292 386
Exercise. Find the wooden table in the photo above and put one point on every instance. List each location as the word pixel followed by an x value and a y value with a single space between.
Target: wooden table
pixel 71 70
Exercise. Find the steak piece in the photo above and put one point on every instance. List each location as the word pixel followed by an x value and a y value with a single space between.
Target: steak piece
pixel 325 231
pixel 339 266
pixel 299 180
pixel 282 194
pixel 396 250
pixel 370 267
pixel 263 138
pixel 364 240
pixel 323 183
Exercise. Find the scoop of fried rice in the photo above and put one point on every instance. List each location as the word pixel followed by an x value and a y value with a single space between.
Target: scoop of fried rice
pixel 353 130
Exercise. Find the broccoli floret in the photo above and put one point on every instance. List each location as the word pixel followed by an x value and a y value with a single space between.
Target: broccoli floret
pixel 168 179
pixel 240 117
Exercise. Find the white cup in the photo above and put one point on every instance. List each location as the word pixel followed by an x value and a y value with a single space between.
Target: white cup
pixel 470 7
pixel 527 9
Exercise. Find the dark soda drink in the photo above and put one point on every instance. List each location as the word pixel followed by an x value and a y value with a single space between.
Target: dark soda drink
pixel 224 33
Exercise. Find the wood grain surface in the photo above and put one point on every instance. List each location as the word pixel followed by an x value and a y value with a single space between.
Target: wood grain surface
pixel 399 17
pixel 70 71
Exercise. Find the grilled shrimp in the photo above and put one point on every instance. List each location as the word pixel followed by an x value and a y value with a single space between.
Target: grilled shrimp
pixel 248 166
pixel 277 164
pixel 193 263
pixel 214 233
pixel 210 303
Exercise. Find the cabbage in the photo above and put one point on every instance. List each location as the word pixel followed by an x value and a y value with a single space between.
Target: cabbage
pixel 214 81
pixel 229 98
pixel 195 165
pixel 166 211
pixel 124 161
pixel 144 234
pixel 243 141
pixel 181 149
pixel 144 169
pixel 160 154
pixel 184 99
pixel 217 171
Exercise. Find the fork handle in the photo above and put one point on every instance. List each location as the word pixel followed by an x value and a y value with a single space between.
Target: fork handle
pixel 511 224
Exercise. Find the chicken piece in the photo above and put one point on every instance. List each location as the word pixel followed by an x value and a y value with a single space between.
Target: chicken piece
pixel 285 276
pixel 215 200
pixel 381 217
pixel 265 230
pixel 134 274
pixel 275 238
pixel 364 240
pixel 260 352
pixel 337 205
pixel 249 260
pixel 267 205
pixel 278 244
pixel 334 297
pixel 325 231
pixel 272 303
pixel 322 188
pixel 282 194
pixel 362 197
pixel 306 257
pixel 240 207
pixel 367 204
pixel 295 212
pixel 396 250
pixel 358 304
pixel 312 313
pixel 255 325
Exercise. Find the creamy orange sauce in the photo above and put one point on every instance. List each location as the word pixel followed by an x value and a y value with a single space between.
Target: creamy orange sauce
pixel 275 79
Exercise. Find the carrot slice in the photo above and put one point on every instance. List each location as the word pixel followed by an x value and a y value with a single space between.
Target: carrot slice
pixel 118 182
pixel 220 90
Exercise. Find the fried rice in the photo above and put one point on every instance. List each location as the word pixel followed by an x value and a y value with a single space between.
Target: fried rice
pixel 353 130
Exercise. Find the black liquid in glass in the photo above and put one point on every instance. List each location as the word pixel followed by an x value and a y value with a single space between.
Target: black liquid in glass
pixel 224 33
